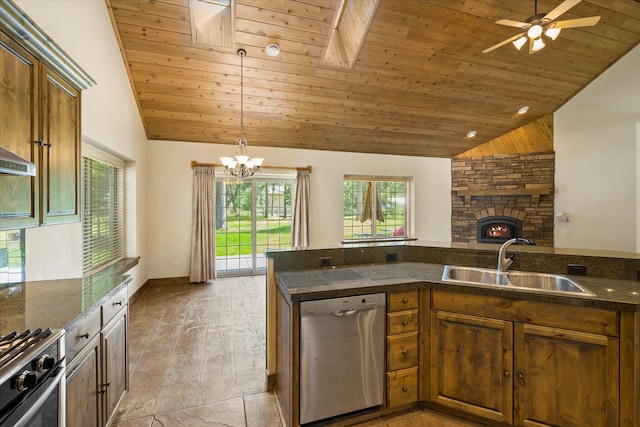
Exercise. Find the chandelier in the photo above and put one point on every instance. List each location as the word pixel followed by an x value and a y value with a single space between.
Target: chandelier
pixel 241 166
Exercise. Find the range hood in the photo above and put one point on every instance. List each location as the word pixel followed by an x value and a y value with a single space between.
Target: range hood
pixel 12 164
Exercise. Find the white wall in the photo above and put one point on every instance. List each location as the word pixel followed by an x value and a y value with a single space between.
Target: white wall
pixel 596 140
pixel 110 119
pixel 169 194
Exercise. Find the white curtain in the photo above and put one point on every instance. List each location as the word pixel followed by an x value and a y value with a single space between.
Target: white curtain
pixel 300 215
pixel 203 242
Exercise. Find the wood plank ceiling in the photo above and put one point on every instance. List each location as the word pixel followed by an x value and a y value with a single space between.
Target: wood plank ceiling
pixel 419 84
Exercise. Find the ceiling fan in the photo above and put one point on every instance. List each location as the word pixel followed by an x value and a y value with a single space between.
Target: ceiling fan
pixel 539 23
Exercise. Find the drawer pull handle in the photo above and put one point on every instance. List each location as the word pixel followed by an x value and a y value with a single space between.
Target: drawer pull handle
pixel 404 352
pixel 405 301
pixel 405 323
pixel 507 374
pixel 117 303
pixel 85 336
pixel 405 389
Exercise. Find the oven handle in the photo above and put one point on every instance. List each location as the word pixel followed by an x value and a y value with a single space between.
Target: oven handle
pixel 42 399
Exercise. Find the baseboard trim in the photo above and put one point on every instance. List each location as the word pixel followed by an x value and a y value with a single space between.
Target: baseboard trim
pixel 136 295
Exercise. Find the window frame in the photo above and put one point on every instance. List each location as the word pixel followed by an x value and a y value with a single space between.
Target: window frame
pixel 114 242
pixel 408 208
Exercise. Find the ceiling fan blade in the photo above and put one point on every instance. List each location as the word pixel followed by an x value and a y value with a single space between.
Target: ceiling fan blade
pixel 510 23
pixel 562 8
pixel 579 22
pixel 502 43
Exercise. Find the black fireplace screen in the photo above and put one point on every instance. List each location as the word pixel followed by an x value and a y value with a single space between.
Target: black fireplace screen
pixel 498 229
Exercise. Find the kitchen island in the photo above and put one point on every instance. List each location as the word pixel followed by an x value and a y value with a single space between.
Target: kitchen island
pixel 489 353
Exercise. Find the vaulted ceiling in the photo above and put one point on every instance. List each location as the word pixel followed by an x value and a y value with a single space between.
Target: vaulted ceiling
pixel 418 84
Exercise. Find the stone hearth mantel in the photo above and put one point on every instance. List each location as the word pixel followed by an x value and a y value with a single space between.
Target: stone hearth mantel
pixel 533 190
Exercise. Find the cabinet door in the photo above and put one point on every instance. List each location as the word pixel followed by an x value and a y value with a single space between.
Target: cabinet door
pixel 115 362
pixel 471 364
pixel 83 395
pixel 18 121
pixel 60 149
pixel 564 377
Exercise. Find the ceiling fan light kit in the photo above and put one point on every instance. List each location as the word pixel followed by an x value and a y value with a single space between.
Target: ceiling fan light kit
pixel 539 24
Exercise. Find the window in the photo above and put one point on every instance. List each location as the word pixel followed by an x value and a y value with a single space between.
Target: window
pixel 103 211
pixel 375 208
pixel 12 256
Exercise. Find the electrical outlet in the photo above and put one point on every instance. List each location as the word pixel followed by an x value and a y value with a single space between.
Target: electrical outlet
pixel 325 261
pixel 4 258
pixel 576 270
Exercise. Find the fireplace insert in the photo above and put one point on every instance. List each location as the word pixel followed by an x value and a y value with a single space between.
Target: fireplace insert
pixel 498 229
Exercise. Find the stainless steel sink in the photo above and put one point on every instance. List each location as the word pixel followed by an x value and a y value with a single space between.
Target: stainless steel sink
pixel 474 275
pixel 514 279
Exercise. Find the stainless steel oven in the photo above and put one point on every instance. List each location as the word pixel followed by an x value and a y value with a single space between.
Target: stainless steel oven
pixel 32 379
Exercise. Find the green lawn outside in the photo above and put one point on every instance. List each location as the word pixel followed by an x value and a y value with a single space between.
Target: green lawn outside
pixel 236 239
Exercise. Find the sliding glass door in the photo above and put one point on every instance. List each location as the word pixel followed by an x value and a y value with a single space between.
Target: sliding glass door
pixel 252 215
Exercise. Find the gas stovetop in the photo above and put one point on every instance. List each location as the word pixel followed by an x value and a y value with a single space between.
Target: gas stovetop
pixel 14 344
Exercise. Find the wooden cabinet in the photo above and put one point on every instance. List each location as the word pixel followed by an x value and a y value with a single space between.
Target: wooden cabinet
pixel 115 362
pixel 60 149
pixel 402 348
pixel 40 116
pixel 97 375
pixel 84 400
pixel 472 364
pixel 524 362
pixel 19 115
pixel 581 369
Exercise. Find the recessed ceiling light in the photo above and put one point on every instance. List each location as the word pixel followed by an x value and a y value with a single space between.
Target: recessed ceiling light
pixel 272 49
pixel 523 109
pixel 472 134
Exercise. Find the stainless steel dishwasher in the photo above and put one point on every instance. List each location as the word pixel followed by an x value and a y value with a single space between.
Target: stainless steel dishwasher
pixel 341 355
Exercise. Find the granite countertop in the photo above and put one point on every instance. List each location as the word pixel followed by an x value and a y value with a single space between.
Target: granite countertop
pixel 305 285
pixel 55 304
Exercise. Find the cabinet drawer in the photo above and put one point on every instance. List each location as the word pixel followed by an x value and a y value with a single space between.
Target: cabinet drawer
pixel 113 305
pixel 402 351
pixel 81 333
pixel 400 301
pixel 402 387
pixel 402 322
pixel 576 318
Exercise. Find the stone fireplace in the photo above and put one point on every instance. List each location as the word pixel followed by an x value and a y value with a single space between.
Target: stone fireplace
pixel 495 198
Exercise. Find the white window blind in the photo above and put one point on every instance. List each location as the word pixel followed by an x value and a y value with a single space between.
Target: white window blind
pixel 103 213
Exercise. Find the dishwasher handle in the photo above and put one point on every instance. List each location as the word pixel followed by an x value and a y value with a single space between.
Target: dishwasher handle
pixel 349 312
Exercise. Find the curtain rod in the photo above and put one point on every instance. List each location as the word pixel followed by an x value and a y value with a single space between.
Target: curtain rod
pixel 308 168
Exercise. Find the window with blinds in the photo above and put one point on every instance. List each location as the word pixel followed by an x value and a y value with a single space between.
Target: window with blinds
pixel 103 214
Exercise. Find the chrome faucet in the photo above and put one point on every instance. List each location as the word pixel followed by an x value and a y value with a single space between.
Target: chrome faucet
pixel 503 260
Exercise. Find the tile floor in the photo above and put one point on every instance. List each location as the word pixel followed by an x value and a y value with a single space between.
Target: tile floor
pixel 197 358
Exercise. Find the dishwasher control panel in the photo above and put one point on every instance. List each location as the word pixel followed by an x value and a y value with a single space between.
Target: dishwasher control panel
pixel 335 305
